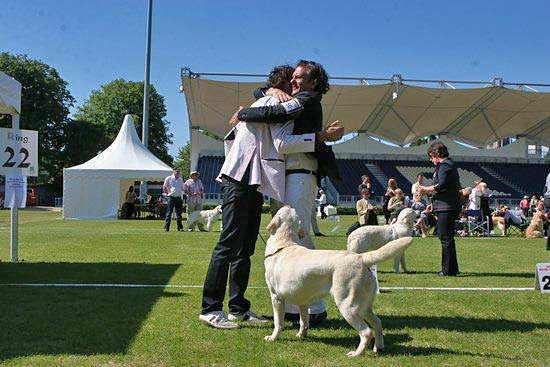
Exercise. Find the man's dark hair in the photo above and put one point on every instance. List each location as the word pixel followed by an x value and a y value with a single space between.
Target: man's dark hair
pixel 316 73
pixel 419 175
pixel 438 149
pixel 279 75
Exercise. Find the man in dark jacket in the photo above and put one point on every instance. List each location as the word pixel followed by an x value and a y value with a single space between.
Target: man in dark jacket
pixel 303 168
pixel 446 204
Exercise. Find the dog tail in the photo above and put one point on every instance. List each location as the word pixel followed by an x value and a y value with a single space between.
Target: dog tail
pixel 388 251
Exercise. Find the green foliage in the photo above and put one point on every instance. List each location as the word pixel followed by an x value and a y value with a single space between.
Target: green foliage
pixel 107 106
pixel 183 159
pixel 82 141
pixel 45 105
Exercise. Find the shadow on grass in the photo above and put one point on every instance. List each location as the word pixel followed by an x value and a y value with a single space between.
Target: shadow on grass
pixel 448 323
pixel 67 320
pixel 467 274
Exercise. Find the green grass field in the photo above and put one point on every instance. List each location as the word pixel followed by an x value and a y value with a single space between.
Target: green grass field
pixel 62 326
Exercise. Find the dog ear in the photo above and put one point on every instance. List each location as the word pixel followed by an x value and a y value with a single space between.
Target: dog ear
pixel 273 225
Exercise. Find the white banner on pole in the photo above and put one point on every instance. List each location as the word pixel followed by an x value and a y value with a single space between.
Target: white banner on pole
pixel 16 191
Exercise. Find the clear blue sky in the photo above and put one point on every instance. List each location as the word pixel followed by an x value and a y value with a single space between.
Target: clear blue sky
pixel 93 42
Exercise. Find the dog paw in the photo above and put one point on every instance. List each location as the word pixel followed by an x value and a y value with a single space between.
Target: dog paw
pixel 269 338
pixel 352 353
pixel 301 335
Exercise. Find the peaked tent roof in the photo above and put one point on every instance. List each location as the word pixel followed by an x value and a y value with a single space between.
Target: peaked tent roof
pixel 10 95
pixel 126 157
pixel 478 116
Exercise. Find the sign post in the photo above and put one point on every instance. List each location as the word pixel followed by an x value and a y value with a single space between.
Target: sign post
pixel 18 157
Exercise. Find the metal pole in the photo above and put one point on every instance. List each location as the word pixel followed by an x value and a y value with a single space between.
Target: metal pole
pixel 14 217
pixel 145 121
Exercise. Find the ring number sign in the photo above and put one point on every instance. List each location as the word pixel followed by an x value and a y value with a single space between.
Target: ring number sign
pixel 542 278
pixel 18 152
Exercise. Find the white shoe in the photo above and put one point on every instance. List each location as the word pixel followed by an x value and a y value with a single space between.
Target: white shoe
pixel 218 319
pixel 248 316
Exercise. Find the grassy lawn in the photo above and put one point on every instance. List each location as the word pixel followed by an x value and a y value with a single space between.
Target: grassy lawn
pixel 160 327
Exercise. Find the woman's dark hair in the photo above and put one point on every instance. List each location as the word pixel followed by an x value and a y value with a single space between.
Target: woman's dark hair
pixel 131 189
pixel 280 75
pixel 438 149
pixel 317 73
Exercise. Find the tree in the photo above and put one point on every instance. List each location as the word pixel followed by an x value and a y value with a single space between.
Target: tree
pixel 82 141
pixel 107 106
pixel 183 159
pixel 45 104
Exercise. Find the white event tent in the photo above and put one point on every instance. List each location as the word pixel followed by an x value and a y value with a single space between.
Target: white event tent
pixel 10 95
pixel 96 188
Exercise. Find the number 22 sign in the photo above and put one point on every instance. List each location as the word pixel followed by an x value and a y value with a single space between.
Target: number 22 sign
pixel 542 278
pixel 18 152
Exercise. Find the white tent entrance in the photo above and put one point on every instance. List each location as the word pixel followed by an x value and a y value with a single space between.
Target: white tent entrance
pixel 95 189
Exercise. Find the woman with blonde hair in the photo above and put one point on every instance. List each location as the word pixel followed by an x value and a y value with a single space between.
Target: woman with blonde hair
pixel 390 192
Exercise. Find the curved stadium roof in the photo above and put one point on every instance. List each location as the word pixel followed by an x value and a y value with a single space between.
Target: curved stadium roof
pixel 395 112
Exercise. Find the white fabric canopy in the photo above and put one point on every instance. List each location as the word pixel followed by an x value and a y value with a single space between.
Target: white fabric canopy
pixel 10 95
pixel 478 116
pixel 95 189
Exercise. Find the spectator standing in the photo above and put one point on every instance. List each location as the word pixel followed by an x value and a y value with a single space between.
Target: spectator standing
pixel 322 203
pixel 390 192
pixel 365 182
pixel 194 190
pixel 130 202
pixel 446 204
pixel 173 190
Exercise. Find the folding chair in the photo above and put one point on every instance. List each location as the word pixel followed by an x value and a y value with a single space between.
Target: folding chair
pixel 513 227
pixel 477 224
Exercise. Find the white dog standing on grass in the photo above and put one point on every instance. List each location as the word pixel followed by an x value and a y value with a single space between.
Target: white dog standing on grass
pixel 368 238
pixel 207 217
pixel 300 276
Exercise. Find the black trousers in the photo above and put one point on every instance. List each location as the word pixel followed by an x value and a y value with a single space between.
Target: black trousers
pixel 173 203
pixel 371 219
pixel 446 232
pixel 241 214
pixel 322 207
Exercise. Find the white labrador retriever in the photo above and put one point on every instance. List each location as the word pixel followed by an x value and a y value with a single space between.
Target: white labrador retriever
pixel 203 217
pixel 300 276
pixel 368 238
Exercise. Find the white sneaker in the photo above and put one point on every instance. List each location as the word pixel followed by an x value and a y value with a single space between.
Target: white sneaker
pixel 218 319
pixel 248 316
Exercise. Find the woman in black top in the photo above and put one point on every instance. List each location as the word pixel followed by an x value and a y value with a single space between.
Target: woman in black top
pixel 446 204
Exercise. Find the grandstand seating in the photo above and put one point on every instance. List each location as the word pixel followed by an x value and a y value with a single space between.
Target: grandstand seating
pixel 209 167
pixel 526 178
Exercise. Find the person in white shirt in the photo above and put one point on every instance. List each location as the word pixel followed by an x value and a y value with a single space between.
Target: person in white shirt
pixel 194 189
pixel 322 203
pixel 474 199
pixel 173 190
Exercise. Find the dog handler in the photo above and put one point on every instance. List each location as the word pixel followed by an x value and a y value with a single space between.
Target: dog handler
pixel 446 204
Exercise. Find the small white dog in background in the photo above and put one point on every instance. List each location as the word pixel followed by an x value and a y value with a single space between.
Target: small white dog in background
pixel 368 238
pixel 202 217
pixel 298 275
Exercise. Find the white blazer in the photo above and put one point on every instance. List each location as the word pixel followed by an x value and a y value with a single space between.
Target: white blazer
pixel 262 146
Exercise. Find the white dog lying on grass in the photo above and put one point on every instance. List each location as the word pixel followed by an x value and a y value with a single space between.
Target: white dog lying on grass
pixel 299 275
pixel 203 217
pixel 368 238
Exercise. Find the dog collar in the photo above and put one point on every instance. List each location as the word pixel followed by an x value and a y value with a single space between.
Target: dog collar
pixel 278 250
